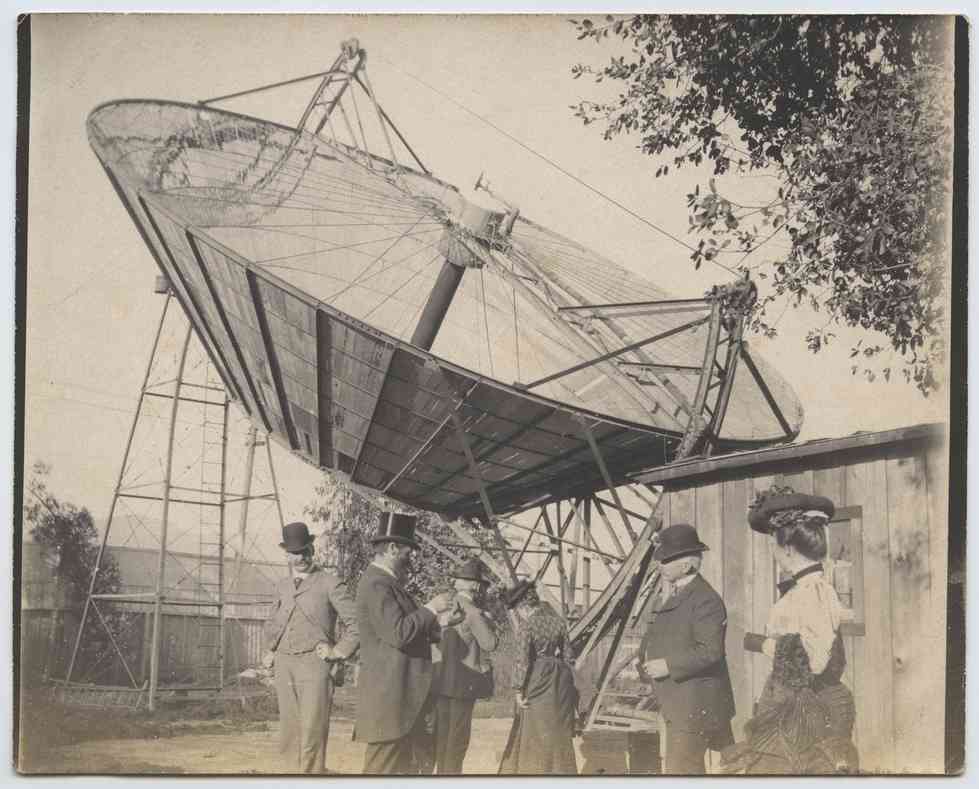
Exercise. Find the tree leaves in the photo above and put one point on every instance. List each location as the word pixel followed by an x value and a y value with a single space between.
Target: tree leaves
pixel 852 114
pixel 348 518
pixel 68 532
pixel 67 535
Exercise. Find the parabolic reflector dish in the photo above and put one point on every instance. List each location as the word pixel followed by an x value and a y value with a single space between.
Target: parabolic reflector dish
pixel 309 269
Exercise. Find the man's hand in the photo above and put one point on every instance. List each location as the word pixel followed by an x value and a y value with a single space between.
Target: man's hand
pixel 325 652
pixel 441 602
pixel 268 659
pixel 466 604
pixel 522 702
pixel 452 617
pixel 768 647
pixel 656 668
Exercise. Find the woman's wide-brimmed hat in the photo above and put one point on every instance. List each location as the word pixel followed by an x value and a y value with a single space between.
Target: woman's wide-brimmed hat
pixel 396 527
pixel 471 570
pixel 517 592
pixel 296 537
pixel 760 516
pixel 678 540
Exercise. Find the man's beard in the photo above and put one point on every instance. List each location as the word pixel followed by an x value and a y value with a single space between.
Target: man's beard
pixel 400 567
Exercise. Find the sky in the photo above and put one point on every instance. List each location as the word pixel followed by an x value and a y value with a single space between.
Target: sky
pixel 91 312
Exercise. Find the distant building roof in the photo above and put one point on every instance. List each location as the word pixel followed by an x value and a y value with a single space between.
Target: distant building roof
pixel 187 577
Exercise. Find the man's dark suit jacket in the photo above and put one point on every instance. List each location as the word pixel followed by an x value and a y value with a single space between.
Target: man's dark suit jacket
pixel 463 672
pixel 396 657
pixel 688 632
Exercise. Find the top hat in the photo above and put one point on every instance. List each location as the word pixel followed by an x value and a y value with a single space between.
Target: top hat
pixel 759 517
pixel 396 527
pixel 516 593
pixel 296 537
pixel 678 540
pixel 471 570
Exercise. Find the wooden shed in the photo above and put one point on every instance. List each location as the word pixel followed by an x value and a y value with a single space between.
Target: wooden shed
pixel 888 560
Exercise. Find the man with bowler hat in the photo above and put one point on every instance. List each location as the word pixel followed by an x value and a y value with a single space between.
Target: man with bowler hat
pixel 396 655
pixel 305 651
pixel 464 673
pixel 682 653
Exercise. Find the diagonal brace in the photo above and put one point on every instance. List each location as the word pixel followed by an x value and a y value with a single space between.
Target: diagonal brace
pixel 431 440
pixel 600 461
pixel 769 397
pixel 617 352
pixel 115 646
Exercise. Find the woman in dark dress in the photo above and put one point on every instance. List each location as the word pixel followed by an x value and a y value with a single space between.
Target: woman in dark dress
pixel 541 739
pixel 803 721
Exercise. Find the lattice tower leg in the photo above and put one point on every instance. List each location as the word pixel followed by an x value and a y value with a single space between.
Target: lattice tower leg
pixel 161 569
pixel 210 582
pixel 115 494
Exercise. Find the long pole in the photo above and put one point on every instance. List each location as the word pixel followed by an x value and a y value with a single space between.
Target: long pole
pixel 575 554
pixel 275 483
pixel 586 580
pixel 582 345
pixel 161 568
pixel 221 512
pixel 563 540
pixel 250 441
pixel 115 493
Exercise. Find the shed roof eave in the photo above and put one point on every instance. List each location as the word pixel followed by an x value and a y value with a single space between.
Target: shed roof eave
pixel 698 469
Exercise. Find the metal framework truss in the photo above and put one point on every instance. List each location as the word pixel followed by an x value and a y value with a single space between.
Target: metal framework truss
pixel 191 564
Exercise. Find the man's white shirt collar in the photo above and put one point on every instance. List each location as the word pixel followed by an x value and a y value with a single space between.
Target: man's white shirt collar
pixel 386 569
pixel 679 583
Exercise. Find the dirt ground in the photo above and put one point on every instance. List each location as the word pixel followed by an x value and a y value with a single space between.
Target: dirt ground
pixel 215 737
pixel 245 752
pixel 201 739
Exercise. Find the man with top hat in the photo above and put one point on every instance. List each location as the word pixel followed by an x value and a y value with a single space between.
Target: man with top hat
pixel 682 654
pixel 396 637
pixel 305 650
pixel 463 672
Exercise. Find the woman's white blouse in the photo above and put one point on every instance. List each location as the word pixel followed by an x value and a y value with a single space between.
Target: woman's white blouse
pixel 812 609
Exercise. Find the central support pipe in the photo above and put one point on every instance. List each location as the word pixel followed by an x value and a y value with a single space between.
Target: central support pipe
pixel 439 301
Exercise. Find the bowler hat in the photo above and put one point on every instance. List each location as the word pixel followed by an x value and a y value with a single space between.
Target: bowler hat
pixel 678 540
pixel 296 537
pixel 471 570
pixel 759 516
pixel 517 592
pixel 396 527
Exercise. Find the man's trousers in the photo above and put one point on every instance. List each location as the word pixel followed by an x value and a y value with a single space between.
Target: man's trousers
pixel 453 726
pixel 685 752
pixel 305 691
pixel 408 755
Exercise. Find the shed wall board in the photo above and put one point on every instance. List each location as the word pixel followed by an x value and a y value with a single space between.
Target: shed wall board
pixel 761 588
pixel 709 519
pixel 736 559
pixel 914 685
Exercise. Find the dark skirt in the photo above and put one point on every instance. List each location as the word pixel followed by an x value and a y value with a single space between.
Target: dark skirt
pixel 803 724
pixel 541 738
